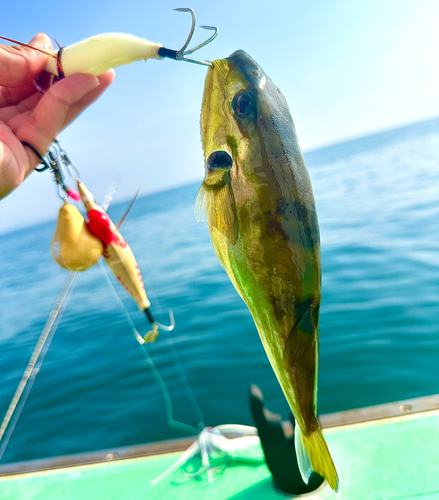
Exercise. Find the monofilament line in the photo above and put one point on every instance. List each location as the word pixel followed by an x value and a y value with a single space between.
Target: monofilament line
pixel 159 379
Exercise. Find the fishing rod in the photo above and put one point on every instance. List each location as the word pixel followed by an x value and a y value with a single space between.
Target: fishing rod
pixel 27 380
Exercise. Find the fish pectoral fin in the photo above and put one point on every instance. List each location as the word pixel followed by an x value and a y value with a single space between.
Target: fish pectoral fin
pixel 301 339
pixel 216 206
pixel 223 213
pixel 201 204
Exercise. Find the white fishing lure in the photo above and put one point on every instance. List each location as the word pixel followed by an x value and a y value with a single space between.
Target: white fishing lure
pixel 100 53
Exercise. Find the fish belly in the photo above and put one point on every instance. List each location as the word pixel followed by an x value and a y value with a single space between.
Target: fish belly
pixel 271 301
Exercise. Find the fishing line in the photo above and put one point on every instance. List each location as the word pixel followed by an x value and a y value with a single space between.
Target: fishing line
pixel 182 373
pixel 27 381
pixel 159 379
pixel 169 339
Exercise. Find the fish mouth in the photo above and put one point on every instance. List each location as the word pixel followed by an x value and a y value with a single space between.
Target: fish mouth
pixel 219 160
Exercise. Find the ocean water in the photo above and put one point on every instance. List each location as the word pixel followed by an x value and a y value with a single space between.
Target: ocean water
pixel 378 204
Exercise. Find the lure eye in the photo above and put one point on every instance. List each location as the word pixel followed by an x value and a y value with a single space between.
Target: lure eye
pixel 219 160
pixel 243 104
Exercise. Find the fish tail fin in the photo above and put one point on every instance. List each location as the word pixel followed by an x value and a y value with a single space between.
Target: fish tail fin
pixel 313 455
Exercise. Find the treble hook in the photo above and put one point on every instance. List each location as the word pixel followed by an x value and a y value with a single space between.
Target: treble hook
pixel 179 55
pixel 156 326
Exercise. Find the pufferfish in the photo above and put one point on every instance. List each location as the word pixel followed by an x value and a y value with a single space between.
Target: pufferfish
pixel 257 199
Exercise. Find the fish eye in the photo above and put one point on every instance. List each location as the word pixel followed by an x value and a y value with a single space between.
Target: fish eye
pixel 219 160
pixel 243 104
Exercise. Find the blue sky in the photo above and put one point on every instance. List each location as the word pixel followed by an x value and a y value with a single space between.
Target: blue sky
pixel 347 68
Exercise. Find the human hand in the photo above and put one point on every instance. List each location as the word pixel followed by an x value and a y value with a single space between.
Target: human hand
pixel 26 115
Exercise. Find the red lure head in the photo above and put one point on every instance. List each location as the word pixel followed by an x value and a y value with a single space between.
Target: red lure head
pixel 99 225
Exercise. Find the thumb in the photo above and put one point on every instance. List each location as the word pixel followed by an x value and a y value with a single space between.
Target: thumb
pixel 20 65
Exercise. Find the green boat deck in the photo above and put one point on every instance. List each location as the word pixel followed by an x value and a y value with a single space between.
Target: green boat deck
pixel 392 456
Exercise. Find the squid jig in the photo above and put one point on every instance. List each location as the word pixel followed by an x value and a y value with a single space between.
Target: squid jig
pixel 100 53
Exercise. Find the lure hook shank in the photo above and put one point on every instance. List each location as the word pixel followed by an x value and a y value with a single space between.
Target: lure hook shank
pixel 179 55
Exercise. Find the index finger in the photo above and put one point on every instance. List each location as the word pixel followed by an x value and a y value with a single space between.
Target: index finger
pixel 21 65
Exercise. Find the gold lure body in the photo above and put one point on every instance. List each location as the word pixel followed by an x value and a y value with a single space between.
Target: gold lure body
pixel 73 246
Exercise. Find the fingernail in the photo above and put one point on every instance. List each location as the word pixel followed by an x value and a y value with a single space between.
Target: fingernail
pixel 40 41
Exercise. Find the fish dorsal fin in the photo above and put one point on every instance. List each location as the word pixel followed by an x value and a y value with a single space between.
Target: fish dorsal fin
pixel 216 206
